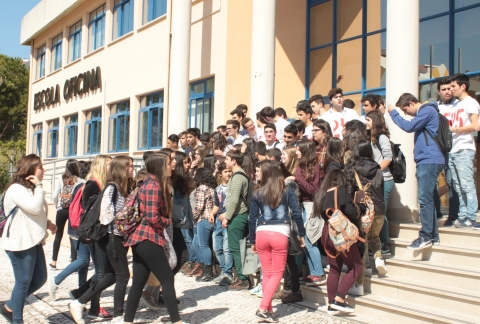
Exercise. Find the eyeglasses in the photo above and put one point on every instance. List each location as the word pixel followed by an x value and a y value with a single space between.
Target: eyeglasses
pixel 314 130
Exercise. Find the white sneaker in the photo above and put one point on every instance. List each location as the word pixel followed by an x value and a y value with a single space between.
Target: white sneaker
pixel 256 290
pixel 76 309
pixel 368 271
pixel 52 288
pixel 356 290
pixel 259 294
pixel 117 320
pixel 380 265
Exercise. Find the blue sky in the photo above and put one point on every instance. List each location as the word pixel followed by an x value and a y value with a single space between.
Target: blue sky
pixel 11 14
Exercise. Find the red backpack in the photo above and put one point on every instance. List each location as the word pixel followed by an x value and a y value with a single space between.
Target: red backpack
pixel 75 209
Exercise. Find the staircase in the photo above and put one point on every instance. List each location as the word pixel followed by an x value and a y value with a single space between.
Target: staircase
pixel 440 284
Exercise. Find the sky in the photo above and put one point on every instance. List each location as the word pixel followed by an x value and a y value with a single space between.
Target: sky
pixel 11 14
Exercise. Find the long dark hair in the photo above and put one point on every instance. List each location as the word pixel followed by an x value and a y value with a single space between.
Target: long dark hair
pixel 378 126
pixel 334 152
pixel 117 173
pixel 308 161
pixel 352 137
pixel 180 179
pixel 209 162
pixel 362 152
pixel 220 142
pixel 73 167
pixel 325 129
pixel 26 167
pixel 271 185
pixel 205 177
pixel 333 179
pixel 155 165
pixel 249 158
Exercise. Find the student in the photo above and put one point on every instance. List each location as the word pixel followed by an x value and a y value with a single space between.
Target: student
pixel 205 140
pixel 301 130
pixel 249 158
pixel 349 103
pixel 270 137
pixel 274 154
pixel 243 107
pixel 193 140
pixel 290 159
pixel 182 141
pixel 281 113
pixel 460 159
pixel 304 113
pixel 370 103
pixel 318 106
pixel 235 218
pixel 428 157
pixel 238 115
pixel 269 115
pixel 337 115
pixel 290 134
pixel 333 183
pixel 260 151
pixel 172 142
pixel 252 131
pixel 220 145
pixel 321 135
pixel 269 224
pixel 233 127
pixel 334 155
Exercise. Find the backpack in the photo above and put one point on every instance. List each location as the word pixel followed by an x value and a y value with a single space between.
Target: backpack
pixel 444 139
pixel 341 231
pixel 66 196
pixel 90 229
pixel 398 166
pixel 367 219
pixel 4 218
pixel 75 209
pixel 127 219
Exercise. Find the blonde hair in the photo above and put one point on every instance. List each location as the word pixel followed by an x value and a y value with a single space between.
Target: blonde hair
pixel 292 163
pixel 98 170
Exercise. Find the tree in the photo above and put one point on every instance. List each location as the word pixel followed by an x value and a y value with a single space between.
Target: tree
pixel 13 108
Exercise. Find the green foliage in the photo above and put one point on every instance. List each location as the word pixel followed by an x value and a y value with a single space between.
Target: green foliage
pixel 4 178
pixel 13 109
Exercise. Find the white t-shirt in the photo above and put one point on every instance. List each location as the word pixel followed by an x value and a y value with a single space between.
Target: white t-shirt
pixel 259 136
pixel 460 117
pixel 280 125
pixel 337 120
pixel 275 144
pixel 446 109
pixel 309 132
pixel 238 140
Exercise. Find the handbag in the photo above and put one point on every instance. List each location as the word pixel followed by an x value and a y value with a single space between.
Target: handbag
pixel 250 261
pixel 362 197
pixel 294 247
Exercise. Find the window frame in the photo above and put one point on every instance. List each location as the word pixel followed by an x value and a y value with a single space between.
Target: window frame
pixel 93 24
pixel 74 41
pixel 204 95
pixel 53 133
pixel 56 52
pixel 119 17
pixel 37 139
pixel 95 121
pixel 148 109
pixel 150 10
pixel 117 119
pixel 41 51
pixel 70 145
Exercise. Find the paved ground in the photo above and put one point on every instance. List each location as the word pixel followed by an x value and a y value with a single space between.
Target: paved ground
pixel 199 302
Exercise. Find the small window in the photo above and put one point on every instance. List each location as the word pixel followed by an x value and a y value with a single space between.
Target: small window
pixel 201 105
pixel 122 17
pixel 96 29
pixel 93 131
pixel 153 9
pixel 41 61
pixel 75 42
pixel 52 139
pixel 37 139
pixel 56 52
pixel 119 127
pixel 150 130
pixel 71 133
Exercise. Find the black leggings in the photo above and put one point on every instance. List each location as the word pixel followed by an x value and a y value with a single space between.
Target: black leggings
pixel 290 275
pixel 60 220
pixel 122 274
pixel 178 246
pixel 148 256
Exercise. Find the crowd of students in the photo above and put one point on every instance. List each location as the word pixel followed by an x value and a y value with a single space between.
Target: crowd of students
pixel 249 179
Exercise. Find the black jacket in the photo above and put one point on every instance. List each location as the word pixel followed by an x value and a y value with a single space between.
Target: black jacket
pixel 369 172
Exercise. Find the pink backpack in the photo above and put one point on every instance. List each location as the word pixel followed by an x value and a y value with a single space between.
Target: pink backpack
pixel 75 209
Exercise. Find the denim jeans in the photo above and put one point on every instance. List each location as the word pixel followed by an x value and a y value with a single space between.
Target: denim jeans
pixel 427 175
pixel 453 199
pixel 387 189
pixel 202 232
pixel 30 272
pixel 188 237
pixel 461 166
pixel 311 251
pixel 80 265
pixel 220 246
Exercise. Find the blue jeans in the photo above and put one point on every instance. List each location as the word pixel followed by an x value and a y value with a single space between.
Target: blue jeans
pixel 202 232
pixel 220 246
pixel 461 166
pixel 311 251
pixel 387 189
pixel 453 199
pixel 30 272
pixel 427 175
pixel 188 237
pixel 80 265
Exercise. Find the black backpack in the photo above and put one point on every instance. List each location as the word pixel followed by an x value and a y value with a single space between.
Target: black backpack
pixel 90 229
pixel 398 166
pixel 444 139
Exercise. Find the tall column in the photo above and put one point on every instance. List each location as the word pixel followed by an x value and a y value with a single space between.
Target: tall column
pixel 263 56
pixel 179 66
pixel 402 76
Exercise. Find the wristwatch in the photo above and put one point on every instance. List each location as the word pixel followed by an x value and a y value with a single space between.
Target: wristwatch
pixel 38 185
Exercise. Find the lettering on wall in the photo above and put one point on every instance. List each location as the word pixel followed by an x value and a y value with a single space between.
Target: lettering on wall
pixel 75 86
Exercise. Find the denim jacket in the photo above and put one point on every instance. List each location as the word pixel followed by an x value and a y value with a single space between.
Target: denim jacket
pixel 261 214
pixel 184 202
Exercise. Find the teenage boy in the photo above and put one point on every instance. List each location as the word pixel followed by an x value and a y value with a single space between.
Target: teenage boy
pixel 235 218
pixel 193 140
pixel 260 151
pixel 232 129
pixel 304 113
pixel 337 116
pixel 244 108
pixel 290 134
pixel 301 130
pixel 281 113
pixel 445 105
pixel 269 114
pixel 252 131
pixel 274 154
pixel 428 157
pixel 318 106
pixel 460 161
pixel 238 115
pixel 270 132
pixel 182 141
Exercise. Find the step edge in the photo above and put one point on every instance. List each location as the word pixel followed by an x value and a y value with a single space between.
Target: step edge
pixel 449 230
pixel 435 267
pixel 441 247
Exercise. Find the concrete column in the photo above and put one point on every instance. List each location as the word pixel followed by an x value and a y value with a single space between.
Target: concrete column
pixel 402 76
pixel 263 56
pixel 179 66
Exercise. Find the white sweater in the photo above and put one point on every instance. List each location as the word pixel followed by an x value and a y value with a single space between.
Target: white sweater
pixel 29 226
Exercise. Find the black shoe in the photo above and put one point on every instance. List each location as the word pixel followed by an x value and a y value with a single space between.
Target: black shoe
pixel 293 297
pixel 266 316
pixel 331 311
pixel 449 221
pixel 343 307
pixel 226 281
pixel 53 267
pixel 420 243
pixel 207 274
pixel 161 302
pixel 74 294
pixel 8 315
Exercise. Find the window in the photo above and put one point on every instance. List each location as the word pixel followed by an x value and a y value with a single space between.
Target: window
pixel 153 9
pixel 467 41
pixel 151 121
pixel 75 42
pixel 122 17
pixel 119 127
pixel 56 53
pixel 52 139
pixel 96 29
pixel 93 131
pixel 201 105
pixel 41 61
pixel 71 133
pixel 37 139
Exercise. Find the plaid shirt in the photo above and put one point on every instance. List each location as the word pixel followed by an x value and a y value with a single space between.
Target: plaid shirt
pixel 152 209
pixel 205 197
